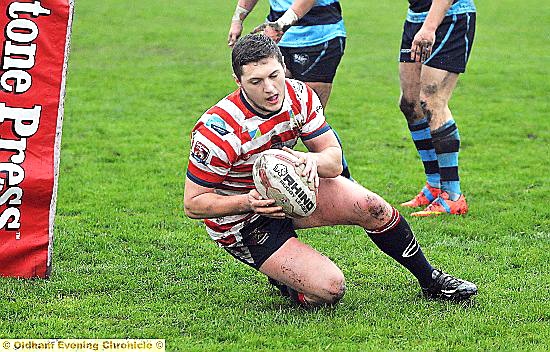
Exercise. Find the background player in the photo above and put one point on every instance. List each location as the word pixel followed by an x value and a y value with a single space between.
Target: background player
pixel 437 40
pixel 269 111
pixel 312 39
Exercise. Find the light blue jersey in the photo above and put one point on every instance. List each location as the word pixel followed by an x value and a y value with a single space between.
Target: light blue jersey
pixel 322 23
pixel 457 8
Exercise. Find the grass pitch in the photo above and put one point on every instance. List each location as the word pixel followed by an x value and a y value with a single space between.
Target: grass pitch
pixel 127 263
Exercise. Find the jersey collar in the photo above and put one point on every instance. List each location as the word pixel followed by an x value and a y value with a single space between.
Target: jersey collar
pixel 259 114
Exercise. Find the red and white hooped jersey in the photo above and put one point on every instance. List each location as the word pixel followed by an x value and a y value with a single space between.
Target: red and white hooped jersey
pixel 228 137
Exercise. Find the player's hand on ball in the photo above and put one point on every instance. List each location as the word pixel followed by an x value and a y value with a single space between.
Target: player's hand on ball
pixel 265 207
pixel 235 32
pixel 310 162
pixel 272 29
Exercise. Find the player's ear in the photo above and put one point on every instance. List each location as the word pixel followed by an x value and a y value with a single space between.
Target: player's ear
pixel 236 80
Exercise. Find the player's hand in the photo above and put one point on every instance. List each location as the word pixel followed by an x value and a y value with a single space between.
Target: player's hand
pixel 272 29
pixel 422 45
pixel 235 32
pixel 310 162
pixel 265 207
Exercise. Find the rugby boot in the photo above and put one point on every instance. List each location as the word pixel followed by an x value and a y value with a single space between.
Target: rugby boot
pixel 283 289
pixel 443 205
pixel 298 298
pixel 447 287
pixel 426 196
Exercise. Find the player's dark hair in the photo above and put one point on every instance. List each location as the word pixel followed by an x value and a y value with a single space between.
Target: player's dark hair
pixel 253 48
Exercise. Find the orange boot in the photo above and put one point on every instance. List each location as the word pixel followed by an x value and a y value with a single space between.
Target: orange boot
pixel 426 196
pixel 443 205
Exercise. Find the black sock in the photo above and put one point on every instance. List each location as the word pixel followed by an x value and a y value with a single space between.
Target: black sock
pixel 397 240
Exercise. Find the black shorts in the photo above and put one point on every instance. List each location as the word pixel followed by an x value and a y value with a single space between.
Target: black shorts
pixel 261 239
pixel 453 43
pixel 316 63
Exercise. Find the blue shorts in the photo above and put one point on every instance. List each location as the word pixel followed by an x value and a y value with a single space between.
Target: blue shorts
pixel 261 239
pixel 453 43
pixel 317 63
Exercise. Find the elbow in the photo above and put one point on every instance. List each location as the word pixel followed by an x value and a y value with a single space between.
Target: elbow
pixel 331 171
pixel 338 169
pixel 337 166
pixel 332 165
pixel 190 213
pixel 335 171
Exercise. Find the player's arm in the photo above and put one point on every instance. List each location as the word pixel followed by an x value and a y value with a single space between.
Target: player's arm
pixel 424 40
pixel 275 30
pixel 324 158
pixel 241 12
pixel 202 202
pixel 327 152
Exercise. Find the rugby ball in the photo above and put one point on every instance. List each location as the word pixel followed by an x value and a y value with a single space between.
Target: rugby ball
pixel 276 177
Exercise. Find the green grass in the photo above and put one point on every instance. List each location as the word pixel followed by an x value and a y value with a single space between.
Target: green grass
pixel 127 263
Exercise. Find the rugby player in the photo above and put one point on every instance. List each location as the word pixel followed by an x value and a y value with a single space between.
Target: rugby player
pixel 436 43
pixel 312 39
pixel 271 111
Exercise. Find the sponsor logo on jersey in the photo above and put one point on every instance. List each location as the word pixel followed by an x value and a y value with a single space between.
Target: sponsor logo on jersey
pixel 217 124
pixel 255 134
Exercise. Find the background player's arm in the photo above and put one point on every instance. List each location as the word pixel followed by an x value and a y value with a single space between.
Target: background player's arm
pixel 301 7
pixel 202 202
pixel 423 41
pixel 241 11
pixel 275 30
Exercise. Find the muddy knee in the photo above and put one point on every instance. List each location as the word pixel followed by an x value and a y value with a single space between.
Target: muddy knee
pixel 426 110
pixel 333 289
pixel 435 109
pixel 410 110
pixel 328 291
pixel 371 211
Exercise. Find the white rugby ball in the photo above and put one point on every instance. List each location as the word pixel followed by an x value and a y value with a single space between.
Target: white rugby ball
pixel 276 177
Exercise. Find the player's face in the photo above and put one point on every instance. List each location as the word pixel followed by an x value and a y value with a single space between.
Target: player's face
pixel 263 83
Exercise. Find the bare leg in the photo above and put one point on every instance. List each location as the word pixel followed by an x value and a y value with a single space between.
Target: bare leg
pixel 322 90
pixel 302 268
pixel 409 101
pixel 343 202
pixel 436 90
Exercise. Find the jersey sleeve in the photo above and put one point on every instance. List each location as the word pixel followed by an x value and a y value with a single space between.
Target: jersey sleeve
pixel 315 123
pixel 211 155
